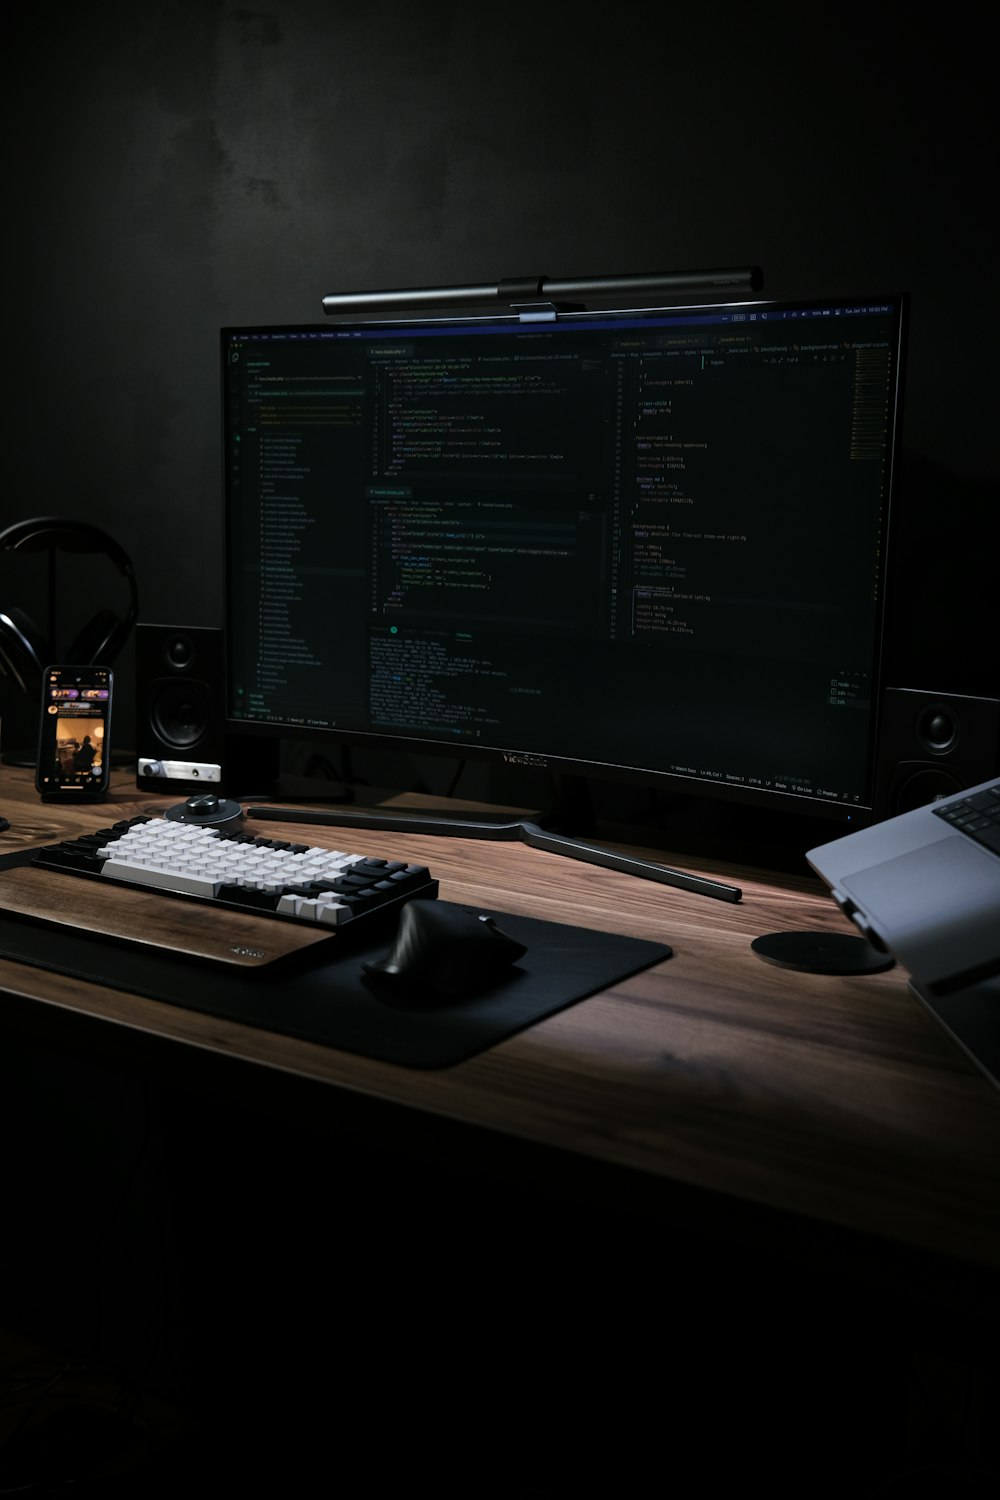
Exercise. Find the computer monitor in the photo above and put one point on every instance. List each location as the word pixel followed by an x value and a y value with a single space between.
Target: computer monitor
pixel 645 544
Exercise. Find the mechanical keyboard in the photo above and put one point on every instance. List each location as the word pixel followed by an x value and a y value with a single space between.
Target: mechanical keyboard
pixel 322 888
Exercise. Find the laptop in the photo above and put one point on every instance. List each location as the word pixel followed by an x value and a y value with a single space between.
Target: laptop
pixel 925 886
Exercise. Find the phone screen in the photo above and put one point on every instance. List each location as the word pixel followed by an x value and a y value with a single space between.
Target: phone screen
pixel 73 743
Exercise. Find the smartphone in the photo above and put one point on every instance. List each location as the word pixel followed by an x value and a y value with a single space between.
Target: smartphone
pixel 74 736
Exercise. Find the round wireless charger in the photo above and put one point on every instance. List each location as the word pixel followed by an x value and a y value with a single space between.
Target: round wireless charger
pixel 206 810
pixel 821 953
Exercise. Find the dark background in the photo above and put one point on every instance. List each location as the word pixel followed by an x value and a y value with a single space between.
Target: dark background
pixel 176 167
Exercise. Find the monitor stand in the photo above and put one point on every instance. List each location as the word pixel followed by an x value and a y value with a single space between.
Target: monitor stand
pixel 538 831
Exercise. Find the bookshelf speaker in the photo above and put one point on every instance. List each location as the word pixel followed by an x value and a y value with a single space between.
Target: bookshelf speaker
pixel 181 738
pixel 932 745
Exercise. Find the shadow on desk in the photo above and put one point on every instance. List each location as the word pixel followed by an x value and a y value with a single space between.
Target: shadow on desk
pixel 317 1306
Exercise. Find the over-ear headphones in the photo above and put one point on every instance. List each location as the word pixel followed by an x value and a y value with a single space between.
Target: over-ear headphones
pixel 25 650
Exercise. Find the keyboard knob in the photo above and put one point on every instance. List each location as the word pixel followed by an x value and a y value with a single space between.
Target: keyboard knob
pixel 207 810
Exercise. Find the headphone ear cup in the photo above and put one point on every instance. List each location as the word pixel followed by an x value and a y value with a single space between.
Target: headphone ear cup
pixel 24 652
pixel 95 640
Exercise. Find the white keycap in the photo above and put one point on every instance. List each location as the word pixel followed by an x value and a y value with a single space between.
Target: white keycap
pixel 167 880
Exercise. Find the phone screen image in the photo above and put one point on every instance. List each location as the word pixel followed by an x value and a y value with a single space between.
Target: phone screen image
pixel 73 739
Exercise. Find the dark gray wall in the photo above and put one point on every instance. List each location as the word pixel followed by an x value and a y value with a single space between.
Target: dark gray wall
pixel 180 166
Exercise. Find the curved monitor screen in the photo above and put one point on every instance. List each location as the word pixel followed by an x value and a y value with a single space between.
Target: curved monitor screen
pixel 646 544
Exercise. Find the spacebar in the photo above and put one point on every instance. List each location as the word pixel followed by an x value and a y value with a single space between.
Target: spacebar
pixel 164 880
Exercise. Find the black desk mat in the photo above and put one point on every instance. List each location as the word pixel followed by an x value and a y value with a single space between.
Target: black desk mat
pixel 332 1002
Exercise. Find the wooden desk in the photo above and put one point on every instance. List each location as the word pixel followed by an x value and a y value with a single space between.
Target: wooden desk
pixel 720 1196
pixel 834 1101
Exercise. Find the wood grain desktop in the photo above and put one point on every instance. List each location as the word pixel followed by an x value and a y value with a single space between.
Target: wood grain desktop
pixel 720 1220
pixel 837 1101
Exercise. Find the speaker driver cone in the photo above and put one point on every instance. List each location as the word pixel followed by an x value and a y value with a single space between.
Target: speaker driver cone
pixel 180 712
pixel 937 729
